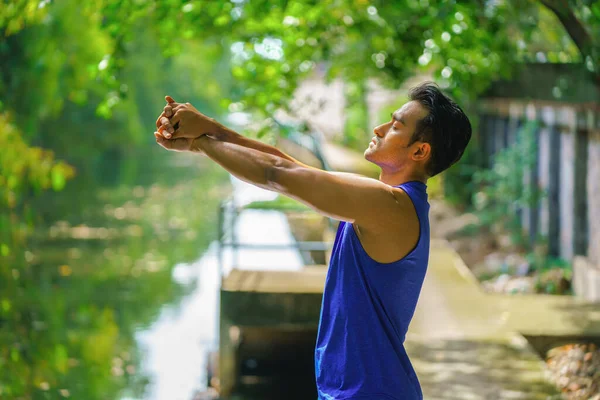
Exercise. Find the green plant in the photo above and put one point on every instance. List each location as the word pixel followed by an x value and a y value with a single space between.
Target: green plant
pixel 555 280
pixel 505 188
pixel 281 203
pixel 457 181
pixel 24 171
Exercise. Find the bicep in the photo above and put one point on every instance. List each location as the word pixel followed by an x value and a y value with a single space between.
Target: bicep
pixel 347 197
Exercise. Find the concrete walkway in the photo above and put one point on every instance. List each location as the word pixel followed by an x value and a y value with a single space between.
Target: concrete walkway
pixel 461 345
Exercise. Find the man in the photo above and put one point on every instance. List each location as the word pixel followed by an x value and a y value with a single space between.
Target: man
pixel 381 249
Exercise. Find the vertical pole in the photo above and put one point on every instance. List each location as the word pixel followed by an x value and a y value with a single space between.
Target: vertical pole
pixel 220 239
pixel 585 170
pixel 500 132
pixel 482 154
pixel 534 177
pixel 555 159
pixel 566 116
pixel 234 244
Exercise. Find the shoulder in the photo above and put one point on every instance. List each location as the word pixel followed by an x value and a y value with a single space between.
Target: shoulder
pixel 397 233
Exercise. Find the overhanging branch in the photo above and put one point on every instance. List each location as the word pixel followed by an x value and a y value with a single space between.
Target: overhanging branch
pixel 573 26
pixel 576 30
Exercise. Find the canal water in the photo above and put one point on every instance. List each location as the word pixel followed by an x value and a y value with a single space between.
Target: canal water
pixel 118 295
pixel 177 343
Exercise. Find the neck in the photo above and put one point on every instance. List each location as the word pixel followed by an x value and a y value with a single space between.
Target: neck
pixel 397 177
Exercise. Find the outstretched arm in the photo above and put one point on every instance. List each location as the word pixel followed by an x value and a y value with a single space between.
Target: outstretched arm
pixel 382 215
pixel 369 203
pixel 227 135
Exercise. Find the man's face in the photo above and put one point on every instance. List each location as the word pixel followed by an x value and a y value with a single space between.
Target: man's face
pixel 389 147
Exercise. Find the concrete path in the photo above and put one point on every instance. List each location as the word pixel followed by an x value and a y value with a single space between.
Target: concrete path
pixel 461 345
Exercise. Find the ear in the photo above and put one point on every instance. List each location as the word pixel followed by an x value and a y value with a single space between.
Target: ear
pixel 422 151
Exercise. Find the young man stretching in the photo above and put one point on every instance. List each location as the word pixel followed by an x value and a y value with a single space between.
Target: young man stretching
pixel 381 249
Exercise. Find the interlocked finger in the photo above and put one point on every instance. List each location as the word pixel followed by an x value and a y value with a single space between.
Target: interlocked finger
pixel 166 127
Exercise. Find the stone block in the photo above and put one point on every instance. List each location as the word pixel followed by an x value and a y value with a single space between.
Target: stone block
pixel 586 279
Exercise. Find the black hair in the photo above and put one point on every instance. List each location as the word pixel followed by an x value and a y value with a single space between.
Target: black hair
pixel 446 128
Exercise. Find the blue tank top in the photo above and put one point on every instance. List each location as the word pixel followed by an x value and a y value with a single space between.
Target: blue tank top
pixel 365 312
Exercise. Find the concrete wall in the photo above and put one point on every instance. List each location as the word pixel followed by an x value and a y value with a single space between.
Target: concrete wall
pixel 593 184
pixel 289 311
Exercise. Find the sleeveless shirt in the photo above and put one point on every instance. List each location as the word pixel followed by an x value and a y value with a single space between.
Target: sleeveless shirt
pixel 365 312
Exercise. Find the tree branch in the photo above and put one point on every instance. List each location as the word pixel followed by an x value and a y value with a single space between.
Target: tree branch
pixel 576 30
pixel 573 26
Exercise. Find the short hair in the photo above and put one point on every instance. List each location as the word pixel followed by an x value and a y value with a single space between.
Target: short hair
pixel 446 128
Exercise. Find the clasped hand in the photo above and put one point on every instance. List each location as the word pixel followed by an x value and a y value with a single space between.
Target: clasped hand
pixel 180 124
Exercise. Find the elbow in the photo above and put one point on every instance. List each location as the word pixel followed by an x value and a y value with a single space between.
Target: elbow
pixel 275 173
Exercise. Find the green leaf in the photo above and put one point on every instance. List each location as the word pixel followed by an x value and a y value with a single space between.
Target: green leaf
pixel 6 305
pixel 58 179
pixel 61 358
pixel 14 355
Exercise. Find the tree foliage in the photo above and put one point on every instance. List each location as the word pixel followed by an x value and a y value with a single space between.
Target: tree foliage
pixel 23 169
pixel 274 43
pixel 466 45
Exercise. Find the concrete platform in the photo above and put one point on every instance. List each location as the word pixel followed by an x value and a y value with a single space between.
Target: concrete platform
pixel 464 343
pixel 268 328
pixel 307 280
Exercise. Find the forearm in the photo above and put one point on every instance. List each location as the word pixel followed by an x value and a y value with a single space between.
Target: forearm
pixel 228 135
pixel 248 164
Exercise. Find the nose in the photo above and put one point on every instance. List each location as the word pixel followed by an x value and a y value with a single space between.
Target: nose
pixel 380 130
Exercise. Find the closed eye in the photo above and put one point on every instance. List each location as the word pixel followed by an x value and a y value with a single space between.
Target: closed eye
pixel 396 118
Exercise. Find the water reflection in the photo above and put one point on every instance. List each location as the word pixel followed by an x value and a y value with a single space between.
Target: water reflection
pixel 99 274
pixel 176 345
pixel 260 227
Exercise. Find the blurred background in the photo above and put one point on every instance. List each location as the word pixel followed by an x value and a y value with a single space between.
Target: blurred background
pixel 114 254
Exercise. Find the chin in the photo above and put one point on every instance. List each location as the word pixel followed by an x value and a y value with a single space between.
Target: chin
pixel 368 154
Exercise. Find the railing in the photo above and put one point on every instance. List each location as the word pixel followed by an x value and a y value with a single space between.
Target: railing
pixel 311 141
pixel 229 212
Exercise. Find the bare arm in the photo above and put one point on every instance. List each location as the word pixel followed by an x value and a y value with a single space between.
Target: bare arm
pixel 383 216
pixel 227 135
pixel 367 202
pixel 248 164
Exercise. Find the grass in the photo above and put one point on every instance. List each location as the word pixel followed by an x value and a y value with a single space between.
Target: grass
pixel 281 203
